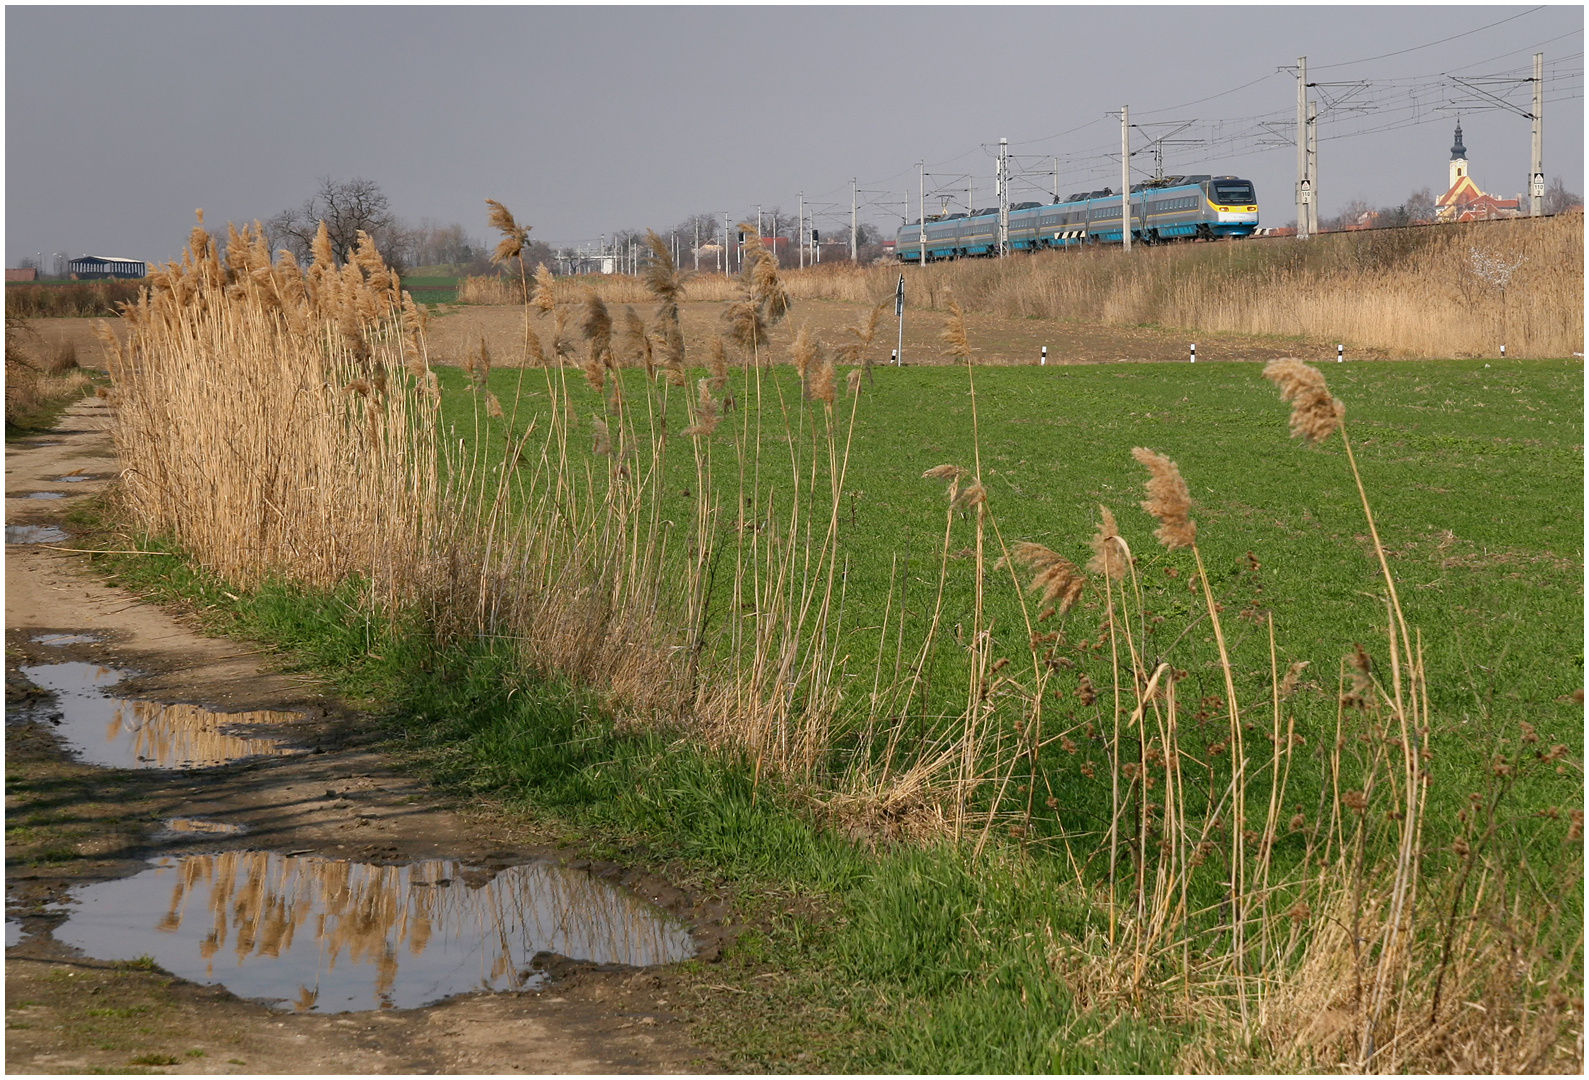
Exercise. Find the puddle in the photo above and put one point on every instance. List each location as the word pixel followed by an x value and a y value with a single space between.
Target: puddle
pixel 123 733
pixel 45 495
pixel 179 828
pixel 71 478
pixel 321 935
pixel 34 534
pixel 65 639
pixel 14 932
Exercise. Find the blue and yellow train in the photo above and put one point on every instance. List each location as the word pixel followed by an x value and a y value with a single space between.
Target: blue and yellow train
pixel 1175 208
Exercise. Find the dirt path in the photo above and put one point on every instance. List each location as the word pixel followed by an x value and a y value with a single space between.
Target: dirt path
pixel 71 825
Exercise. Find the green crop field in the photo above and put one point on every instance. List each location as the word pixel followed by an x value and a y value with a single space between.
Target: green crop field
pixel 1475 469
pixel 432 290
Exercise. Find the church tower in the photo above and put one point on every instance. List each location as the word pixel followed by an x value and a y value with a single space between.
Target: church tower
pixel 1459 158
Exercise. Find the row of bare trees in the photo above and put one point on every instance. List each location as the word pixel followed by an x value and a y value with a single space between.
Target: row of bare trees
pixel 349 207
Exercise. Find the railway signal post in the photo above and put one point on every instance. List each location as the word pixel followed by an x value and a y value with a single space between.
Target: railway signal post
pixel 899 312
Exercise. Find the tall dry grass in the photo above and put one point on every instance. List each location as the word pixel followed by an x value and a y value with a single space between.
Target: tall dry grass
pixel 277 421
pixel 39 375
pixel 1417 292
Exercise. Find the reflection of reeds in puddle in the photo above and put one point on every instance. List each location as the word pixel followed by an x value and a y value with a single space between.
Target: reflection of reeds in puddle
pixel 34 534
pixel 123 733
pixel 333 936
pixel 187 736
pixel 186 826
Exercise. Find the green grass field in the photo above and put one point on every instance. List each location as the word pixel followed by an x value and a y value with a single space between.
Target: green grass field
pixel 1475 471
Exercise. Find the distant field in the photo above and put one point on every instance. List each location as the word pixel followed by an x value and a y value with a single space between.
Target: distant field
pixel 432 289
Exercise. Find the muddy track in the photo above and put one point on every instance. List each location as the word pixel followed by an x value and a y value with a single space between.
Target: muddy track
pixel 330 799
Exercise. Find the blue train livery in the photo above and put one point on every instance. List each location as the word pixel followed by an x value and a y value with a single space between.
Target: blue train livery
pixel 1175 208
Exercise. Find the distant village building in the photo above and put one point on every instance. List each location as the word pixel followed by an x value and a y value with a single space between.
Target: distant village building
pixel 94 267
pixel 1464 201
pixel 27 273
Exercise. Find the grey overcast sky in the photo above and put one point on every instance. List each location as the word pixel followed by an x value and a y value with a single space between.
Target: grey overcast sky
pixel 120 121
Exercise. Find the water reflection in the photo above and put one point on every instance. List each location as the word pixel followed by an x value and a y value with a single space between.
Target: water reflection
pixel 34 534
pixel 45 495
pixel 182 827
pixel 14 931
pixel 321 935
pixel 126 734
pixel 64 639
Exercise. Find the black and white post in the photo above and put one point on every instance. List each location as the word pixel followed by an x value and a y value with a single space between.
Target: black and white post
pixel 1194 352
pixel 1340 353
pixel 1044 361
pixel 899 311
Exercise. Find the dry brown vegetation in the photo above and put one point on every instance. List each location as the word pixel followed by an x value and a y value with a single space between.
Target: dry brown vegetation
pixel 279 421
pixel 39 373
pixel 1424 292
pixel 75 299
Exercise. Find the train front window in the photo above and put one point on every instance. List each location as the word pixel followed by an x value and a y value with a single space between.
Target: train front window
pixel 1241 192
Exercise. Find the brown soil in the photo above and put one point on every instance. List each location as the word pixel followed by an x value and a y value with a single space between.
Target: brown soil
pixel 995 339
pixel 70 824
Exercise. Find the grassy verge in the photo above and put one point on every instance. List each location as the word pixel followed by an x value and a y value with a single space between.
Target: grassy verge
pixel 853 959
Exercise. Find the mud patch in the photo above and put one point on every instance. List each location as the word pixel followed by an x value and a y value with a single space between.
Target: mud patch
pixel 311 934
pixel 124 733
pixel 35 534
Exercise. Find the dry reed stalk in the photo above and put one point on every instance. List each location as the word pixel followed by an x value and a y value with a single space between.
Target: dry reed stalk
pixel 249 371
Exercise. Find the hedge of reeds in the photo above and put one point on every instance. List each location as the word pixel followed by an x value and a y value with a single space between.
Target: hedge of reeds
pixel 70 299
pixel 663 523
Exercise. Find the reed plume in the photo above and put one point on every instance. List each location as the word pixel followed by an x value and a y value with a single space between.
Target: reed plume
pixel 717 364
pixel 707 413
pixel 545 298
pixel 744 325
pixel 853 380
pixel 1168 499
pixel 820 377
pixel 762 280
pixel 1109 550
pixel 596 326
pixel 514 235
pixel 533 351
pixel 477 365
pixel 804 351
pixel 664 282
pixel 954 334
pixel 1315 413
pixel 1056 576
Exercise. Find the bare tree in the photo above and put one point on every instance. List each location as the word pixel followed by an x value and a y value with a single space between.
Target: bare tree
pixel 1420 207
pixel 1558 198
pixel 1353 213
pixel 347 207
